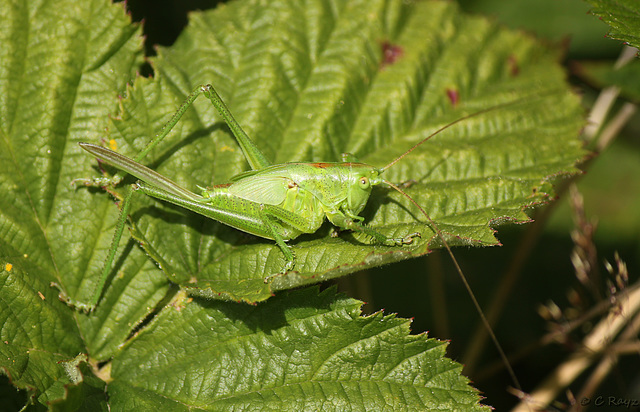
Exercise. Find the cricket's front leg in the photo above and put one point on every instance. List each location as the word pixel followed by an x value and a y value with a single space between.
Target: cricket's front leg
pixel 345 222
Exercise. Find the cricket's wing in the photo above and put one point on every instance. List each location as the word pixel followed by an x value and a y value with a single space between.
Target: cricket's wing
pixel 265 189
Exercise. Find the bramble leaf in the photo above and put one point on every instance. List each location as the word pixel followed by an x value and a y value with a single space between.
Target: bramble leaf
pixel 623 16
pixel 308 82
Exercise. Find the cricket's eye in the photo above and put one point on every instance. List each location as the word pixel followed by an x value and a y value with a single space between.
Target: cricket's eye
pixel 363 182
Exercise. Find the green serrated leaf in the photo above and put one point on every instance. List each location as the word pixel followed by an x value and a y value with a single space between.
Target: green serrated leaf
pixel 298 351
pixel 623 16
pixel 62 66
pixel 61 80
pixel 309 81
pixel 39 342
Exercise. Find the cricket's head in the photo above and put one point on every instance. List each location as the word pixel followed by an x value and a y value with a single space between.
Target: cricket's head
pixel 362 177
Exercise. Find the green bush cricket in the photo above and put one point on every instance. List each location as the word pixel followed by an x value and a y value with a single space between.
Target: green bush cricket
pixel 278 202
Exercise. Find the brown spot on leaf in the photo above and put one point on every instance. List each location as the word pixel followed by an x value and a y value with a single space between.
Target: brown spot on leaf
pixel 454 96
pixel 514 68
pixel 390 53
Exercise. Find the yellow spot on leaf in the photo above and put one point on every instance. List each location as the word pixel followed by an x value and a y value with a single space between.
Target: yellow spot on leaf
pixel 8 267
pixel 179 300
pixel 227 149
pixel 113 145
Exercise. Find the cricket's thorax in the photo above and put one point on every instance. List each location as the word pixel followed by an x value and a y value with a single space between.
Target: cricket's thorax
pixel 337 186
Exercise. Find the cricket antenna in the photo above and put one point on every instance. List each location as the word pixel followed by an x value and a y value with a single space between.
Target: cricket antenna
pixel 445 127
pixel 485 322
